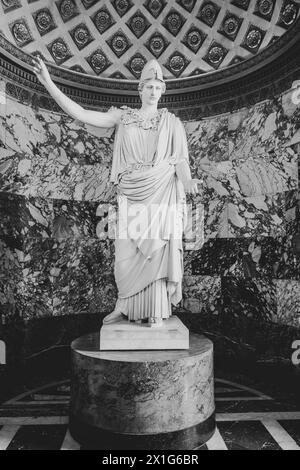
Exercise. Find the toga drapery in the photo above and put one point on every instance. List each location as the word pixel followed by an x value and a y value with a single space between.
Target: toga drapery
pixel 151 213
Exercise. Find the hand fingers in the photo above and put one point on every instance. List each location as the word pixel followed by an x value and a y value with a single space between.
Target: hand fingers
pixel 35 63
pixel 194 190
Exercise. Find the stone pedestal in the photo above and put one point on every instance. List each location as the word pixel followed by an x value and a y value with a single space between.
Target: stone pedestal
pixel 142 399
pixel 126 336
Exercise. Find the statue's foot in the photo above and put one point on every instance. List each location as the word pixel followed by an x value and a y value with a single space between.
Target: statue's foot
pixel 114 317
pixel 155 322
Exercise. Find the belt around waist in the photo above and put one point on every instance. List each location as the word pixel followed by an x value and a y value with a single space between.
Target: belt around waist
pixel 138 166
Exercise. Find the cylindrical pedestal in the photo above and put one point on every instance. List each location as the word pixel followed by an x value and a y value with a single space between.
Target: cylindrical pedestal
pixel 142 399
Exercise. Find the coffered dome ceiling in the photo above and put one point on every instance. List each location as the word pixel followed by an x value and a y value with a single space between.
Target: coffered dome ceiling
pixel 216 55
pixel 114 38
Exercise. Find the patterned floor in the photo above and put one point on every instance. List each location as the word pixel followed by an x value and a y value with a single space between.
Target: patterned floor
pixel 246 419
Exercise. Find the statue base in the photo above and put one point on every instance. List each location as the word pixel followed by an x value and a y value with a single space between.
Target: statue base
pixel 127 336
pixel 148 400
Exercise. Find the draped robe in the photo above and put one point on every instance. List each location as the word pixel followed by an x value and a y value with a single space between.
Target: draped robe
pixel 151 215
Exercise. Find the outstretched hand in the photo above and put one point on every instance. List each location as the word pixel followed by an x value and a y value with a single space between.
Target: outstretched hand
pixel 41 70
pixel 191 186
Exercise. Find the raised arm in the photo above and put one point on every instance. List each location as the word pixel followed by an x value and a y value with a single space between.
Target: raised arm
pixel 94 118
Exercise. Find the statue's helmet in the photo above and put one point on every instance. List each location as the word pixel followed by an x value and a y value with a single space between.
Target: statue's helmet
pixel 151 71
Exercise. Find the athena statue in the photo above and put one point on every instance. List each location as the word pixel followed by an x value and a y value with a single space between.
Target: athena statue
pixel 150 168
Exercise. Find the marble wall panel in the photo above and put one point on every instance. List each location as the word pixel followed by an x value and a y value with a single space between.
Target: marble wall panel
pixel 67 276
pixel 26 137
pixel 257 257
pixel 253 298
pixel 54 177
pixel 11 257
pixel 22 217
pixel 38 217
pixel 288 302
pixel 12 206
pixel 25 131
pixel 207 140
pixel 202 294
pixel 84 280
pixel 58 157
pixel 75 163
pixel 213 214
pixel 216 257
pixel 292 212
pixel 15 171
pixel 235 216
pixel 36 287
pixel 59 277
pixel 188 257
pixel 75 219
pixel 238 257
pixel 3 103
pixel 267 174
pixel 86 145
pixel 258 215
pixel 262 129
pixel 95 270
pixel 97 186
pixel 64 262
pixel 287 265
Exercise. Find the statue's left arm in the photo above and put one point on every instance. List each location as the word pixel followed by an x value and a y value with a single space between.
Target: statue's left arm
pixel 182 166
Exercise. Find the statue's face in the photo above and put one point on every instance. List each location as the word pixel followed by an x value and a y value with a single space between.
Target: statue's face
pixel 151 92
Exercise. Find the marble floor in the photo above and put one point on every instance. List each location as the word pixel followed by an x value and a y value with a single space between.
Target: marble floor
pixel 246 420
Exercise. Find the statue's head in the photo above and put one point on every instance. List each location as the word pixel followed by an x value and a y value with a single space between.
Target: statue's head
pixel 151 72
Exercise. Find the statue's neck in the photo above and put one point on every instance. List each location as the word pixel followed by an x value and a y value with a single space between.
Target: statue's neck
pixel 148 110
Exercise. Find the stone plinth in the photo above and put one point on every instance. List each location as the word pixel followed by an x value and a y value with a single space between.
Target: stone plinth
pixel 142 399
pixel 124 336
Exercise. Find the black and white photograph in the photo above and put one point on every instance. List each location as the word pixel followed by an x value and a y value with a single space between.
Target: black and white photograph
pixel 149 227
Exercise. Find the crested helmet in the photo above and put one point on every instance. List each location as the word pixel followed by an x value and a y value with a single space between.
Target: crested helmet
pixel 151 71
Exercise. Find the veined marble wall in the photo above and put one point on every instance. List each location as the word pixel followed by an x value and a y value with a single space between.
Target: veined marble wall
pixel 243 281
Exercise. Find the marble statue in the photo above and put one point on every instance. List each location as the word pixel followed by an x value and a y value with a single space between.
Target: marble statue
pixel 150 168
